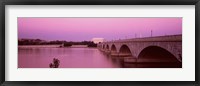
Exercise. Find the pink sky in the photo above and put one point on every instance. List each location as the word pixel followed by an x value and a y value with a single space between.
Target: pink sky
pixel 80 29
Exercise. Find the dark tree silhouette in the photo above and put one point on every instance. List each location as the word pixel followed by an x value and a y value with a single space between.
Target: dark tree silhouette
pixel 55 63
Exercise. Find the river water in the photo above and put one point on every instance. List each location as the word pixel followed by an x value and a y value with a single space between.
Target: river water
pixel 73 57
pixel 40 57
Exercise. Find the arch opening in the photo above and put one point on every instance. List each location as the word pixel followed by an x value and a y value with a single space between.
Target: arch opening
pixel 114 50
pixel 155 56
pixel 107 47
pixel 125 51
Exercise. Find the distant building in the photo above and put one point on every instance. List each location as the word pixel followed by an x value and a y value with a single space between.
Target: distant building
pixel 98 40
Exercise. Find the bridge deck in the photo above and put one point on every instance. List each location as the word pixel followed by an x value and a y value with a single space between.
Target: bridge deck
pixel 171 38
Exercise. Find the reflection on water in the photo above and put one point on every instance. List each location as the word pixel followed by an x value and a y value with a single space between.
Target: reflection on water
pixel 78 58
pixel 69 58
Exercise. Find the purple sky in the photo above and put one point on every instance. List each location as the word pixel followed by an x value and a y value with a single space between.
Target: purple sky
pixel 79 29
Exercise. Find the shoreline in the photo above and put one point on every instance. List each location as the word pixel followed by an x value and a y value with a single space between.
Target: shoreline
pixel 53 46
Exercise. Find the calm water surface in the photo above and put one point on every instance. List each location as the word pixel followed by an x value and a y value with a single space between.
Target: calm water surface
pixel 69 58
pixel 42 56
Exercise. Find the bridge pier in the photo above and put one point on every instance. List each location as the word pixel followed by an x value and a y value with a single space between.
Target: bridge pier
pixel 105 51
pixel 114 54
pixel 124 55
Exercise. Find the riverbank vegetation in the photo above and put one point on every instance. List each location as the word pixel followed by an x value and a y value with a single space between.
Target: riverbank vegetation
pixel 56 42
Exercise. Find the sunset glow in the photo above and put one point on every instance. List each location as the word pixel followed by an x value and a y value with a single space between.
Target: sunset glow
pixel 80 29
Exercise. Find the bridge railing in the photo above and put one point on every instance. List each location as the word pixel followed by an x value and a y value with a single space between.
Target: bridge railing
pixel 171 38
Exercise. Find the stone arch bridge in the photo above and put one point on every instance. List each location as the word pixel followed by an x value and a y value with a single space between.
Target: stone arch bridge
pixel 138 47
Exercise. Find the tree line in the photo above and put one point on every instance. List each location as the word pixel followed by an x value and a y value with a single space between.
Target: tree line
pixel 43 42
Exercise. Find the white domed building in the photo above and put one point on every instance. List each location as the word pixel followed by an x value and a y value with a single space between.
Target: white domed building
pixel 98 40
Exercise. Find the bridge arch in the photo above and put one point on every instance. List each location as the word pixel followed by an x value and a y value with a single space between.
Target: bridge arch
pixel 107 47
pixel 113 48
pixel 124 51
pixel 159 55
